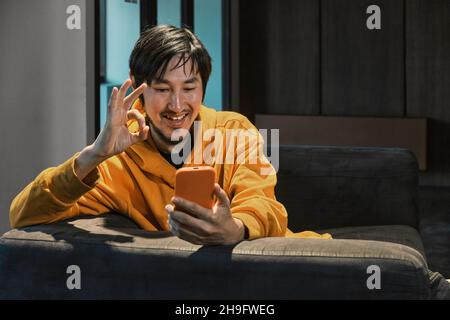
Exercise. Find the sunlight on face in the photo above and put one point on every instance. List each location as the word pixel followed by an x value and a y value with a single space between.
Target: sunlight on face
pixel 173 103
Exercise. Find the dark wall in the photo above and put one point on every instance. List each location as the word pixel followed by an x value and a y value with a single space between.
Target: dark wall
pixel 309 57
pixel 428 80
pixel 279 57
pixel 362 69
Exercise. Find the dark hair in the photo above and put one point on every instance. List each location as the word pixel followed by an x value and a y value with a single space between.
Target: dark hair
pixel 157 45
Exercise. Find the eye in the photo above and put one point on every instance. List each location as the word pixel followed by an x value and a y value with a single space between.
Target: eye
pixel 189 89
pixel 162 90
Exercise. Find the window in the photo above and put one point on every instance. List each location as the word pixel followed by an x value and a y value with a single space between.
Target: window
pixel 120 23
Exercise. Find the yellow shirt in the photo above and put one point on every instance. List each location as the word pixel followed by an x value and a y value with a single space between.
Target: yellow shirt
pixel 140 182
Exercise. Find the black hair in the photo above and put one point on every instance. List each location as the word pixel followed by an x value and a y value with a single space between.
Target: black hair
pixel 157 45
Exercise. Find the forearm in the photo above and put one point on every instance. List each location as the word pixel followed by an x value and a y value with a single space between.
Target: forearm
pixel 260 212
pixel 51 196
pixel 87 161
pixel 253 201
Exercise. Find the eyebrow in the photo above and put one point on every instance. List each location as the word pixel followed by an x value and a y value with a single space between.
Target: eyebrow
pixel 190 80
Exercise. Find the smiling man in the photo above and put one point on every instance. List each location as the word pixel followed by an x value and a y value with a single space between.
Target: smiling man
pixel 129 167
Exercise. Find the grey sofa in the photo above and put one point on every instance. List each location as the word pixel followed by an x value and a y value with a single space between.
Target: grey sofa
pixel 366 198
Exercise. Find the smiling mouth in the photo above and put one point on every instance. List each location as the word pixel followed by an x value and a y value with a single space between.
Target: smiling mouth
pixel 176 120
pixel 175 117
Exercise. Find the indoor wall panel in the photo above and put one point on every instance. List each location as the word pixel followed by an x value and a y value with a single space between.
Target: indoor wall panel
pixel 362 68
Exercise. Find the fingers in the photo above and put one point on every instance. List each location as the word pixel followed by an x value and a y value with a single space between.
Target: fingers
pixel 136 115
pixel 118 99
pixel 123 90
pixel 188 222
pixel 192 208
pixel 222 197
pixel 143 128
pixel 135 94
pixel 143 134
pixel 185 234
pixel 117 96
pixel 112 99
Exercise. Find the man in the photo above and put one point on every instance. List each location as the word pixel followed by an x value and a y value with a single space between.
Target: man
pixel 129 168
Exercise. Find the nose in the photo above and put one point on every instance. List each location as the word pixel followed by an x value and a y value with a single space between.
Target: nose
pixel 175 103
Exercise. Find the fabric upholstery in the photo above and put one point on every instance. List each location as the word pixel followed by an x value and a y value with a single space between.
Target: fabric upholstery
pixel 332 187
pixel 121 261
pixel 405 235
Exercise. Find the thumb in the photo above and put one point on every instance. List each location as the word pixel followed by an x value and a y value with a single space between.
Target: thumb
pixel 222 198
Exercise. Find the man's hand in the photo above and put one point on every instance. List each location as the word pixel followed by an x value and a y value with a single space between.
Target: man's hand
pixel 199 225
pixel 115 136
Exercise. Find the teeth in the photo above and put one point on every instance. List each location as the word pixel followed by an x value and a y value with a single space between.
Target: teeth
pixel 176 118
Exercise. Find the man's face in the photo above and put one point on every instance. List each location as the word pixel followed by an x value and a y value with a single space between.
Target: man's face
pixel 173 103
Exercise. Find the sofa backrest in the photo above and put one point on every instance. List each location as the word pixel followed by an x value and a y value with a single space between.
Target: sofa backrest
pixel 330 187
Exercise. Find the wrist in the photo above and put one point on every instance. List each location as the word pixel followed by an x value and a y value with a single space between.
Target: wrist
pixel 243 231
pixel 87 161
pixel 94 153
pixel 91 156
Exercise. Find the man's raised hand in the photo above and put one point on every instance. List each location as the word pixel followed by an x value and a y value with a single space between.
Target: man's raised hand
pixel 115 136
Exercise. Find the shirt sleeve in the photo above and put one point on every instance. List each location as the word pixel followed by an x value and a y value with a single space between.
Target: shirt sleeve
pixel 253 201
pixel 251 190
pixel 55 195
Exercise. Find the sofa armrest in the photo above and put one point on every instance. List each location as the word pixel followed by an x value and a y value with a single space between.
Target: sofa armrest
pixel 121 261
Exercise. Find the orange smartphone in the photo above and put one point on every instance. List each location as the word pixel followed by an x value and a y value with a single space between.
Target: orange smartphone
pixel 196 184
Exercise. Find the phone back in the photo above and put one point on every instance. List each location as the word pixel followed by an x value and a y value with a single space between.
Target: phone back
pixel 196 184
